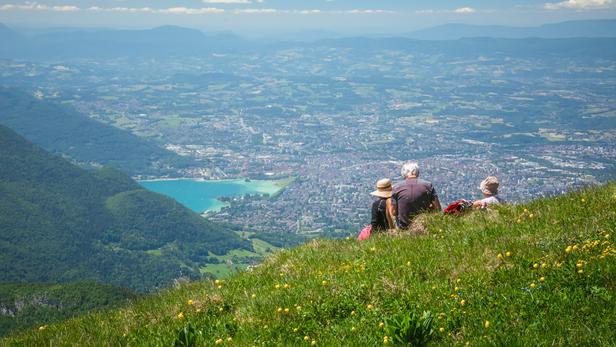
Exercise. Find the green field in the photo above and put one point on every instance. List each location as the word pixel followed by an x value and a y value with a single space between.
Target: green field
pixel 539 274
pixel 228 265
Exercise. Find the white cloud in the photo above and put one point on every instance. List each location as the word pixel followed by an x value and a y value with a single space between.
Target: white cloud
pixel 461 10
pixel 356 11
pixel 34 6
pixel 256 11
pixel 186 10
pixel 65 8
pixel 464 10
pixel 579 4
pixel 228 1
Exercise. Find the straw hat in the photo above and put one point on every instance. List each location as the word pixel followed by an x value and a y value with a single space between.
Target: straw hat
pixel 489 185
pixel 383 188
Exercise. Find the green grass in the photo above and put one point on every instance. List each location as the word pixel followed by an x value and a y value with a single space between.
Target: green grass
pixel 228 262
pixel 526 275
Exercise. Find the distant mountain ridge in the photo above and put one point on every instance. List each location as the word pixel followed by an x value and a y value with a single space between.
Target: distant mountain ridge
pixel 174 41
pixel 60 223
pixel 569 29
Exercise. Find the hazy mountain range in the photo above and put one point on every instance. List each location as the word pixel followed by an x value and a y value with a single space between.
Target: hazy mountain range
pixel 173 41
pixel 582 28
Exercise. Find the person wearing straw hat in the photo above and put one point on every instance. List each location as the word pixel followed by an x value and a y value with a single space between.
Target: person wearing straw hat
pixel 383 217
pixel 489 188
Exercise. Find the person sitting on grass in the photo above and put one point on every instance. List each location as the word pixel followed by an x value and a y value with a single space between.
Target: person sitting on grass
pixel 489 188
pixel 413 196
pixel 383 217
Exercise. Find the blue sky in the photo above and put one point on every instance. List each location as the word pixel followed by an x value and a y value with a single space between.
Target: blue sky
pixel 269 16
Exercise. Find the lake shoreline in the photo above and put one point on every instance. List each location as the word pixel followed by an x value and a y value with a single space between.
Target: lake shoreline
pixel 203 196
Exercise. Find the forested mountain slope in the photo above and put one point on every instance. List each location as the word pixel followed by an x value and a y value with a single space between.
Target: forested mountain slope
pixel 30 305
pixel 62 130
pixel 61 223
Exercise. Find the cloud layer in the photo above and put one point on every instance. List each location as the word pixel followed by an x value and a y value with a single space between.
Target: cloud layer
pixel 579 4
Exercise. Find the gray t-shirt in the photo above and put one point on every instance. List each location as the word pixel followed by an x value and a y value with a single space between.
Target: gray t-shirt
pixel 411 197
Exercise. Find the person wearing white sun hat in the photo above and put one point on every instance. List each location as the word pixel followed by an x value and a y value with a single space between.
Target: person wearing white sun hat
pixel 383 217
pixel 489 188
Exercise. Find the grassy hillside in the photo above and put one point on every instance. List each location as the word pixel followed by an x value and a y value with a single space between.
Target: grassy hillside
pixel 60 223
pixel 536 274
pixel 24 306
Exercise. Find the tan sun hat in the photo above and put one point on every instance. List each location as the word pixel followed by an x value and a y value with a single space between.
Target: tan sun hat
pixel 383 188
pixel 489 185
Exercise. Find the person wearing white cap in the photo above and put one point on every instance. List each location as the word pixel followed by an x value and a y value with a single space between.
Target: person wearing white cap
pixel 489 188
pixel 383 217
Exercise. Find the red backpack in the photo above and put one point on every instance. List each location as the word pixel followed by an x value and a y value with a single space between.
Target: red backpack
pixel 458 207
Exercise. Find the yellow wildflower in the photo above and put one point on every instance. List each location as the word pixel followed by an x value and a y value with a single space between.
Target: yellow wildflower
pixel 542 279
pixel 353 329
pixel 535 266
pixel 499 256
pixel 306 338
pixel 381 325
pixel 279 309
pixel 286 310
pixel 277 286
pixel 313 343
pixel 369 307
pixel 462 302
pixel 42 327
pixel 253 296
pixel 219 341
pixel 190 302
pixel 295 330
pixel 286 286
pixel 229 338
pixel 533 285
pixel 180 315
pixel 508 254
pixel 441 329
pixel 568 249
pixel 353 313
pixel 486 324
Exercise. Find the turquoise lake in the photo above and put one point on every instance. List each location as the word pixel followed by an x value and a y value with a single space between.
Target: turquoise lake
pixel 201 196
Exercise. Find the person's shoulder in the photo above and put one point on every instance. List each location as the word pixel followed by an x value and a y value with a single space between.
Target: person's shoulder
pixel 424 182
pixel 398 185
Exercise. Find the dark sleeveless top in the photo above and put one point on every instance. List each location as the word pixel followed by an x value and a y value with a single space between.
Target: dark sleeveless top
pixel 379 215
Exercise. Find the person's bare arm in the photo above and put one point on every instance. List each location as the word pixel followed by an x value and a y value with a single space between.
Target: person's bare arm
pixel 390 213
pixel 478 204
